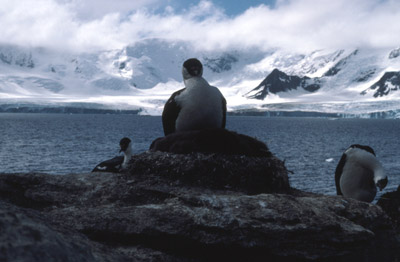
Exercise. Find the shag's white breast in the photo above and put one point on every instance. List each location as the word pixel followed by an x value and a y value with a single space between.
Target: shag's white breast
pixel 357 180
pixel 201 106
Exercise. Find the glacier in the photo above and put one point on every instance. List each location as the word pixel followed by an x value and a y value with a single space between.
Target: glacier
pixel 141 77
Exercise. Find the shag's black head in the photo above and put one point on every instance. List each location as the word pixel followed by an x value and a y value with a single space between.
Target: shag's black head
pixel 193 67
pixel 124 143
pixel 366 148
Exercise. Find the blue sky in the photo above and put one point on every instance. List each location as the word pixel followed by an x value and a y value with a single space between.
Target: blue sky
pixel 94 9
pixel 298 25
pixel 238 7
pixel 232 7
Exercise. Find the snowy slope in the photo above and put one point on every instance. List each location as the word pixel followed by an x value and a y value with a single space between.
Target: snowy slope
pixel 145 74
pixel 351 79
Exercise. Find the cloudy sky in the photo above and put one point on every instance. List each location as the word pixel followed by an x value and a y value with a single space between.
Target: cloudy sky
pixel 84 25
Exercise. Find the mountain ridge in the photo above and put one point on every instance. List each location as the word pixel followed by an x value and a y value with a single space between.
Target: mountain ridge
pixel 277 81
pixel 144 75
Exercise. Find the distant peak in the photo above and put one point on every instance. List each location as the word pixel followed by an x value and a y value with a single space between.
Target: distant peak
pixel 276 71
pixel 394 53
pixel 278 81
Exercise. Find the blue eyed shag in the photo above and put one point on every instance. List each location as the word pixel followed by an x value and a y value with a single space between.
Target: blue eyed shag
pixel 359 173
pixel 197 106
pixel 118 163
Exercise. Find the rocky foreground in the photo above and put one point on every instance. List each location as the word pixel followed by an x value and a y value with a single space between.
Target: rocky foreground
pixel 187 207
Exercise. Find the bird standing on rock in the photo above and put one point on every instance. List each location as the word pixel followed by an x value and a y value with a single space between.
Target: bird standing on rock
pixel 359 173
pixel 197 106
pixel 117 163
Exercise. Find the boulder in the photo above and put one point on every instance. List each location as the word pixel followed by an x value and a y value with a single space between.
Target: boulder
pixel 390 203
pixel 189 207
pixel 250 175
pixel 27 235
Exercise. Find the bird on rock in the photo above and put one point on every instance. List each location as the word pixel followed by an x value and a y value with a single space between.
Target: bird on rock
pixel 197 106
pixel 118 163
pixel 359 173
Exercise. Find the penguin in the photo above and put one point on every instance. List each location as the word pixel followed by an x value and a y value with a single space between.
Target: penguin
pixel 118 163
pixel 197 106
pixel 359 173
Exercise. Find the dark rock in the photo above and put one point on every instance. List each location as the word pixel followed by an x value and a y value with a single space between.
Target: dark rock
pixel 390 203
pixel 165 212
pixel 25 60
pixel 277 81
pixel 17 57
pixel 339 65
pixel 220 64
pixel 220 164
pixel 209 226
pixel 122 65
pixel 388 83
pixel 365 75
pixel 30 229
pixel 394 53
pixel 27 236
pixel 251 175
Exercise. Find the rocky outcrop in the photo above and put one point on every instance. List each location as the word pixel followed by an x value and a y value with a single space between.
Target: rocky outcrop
pixel 394 53
pixel 15 56
pixel 388 83
pixel 390 203
pixel 186 207
pixel 340 65
pixel 277 81
pixel 222 63
pixel 27 236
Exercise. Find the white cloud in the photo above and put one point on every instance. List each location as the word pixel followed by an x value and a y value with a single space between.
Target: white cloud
pixel 95 9
pixel 34 23
pixel 292 24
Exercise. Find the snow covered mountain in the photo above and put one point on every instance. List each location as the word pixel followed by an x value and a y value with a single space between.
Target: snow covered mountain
pixel 362 82
pixel 387 84
pixel 278 81
pixel 142 77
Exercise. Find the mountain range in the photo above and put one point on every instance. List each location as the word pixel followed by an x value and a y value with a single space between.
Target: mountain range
pixel 141 77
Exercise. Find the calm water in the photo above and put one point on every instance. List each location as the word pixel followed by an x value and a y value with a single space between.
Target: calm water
pixel 311 147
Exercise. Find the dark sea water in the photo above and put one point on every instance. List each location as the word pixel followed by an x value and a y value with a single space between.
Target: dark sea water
pixel 311 147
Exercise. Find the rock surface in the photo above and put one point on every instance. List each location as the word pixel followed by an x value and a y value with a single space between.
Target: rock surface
pixel 390 203
pixel 277 81
pixel 196 207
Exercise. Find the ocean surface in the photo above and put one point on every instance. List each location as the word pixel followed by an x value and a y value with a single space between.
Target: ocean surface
pixel 311 147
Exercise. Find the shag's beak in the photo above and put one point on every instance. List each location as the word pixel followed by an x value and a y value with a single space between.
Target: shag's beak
pixel 382 183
